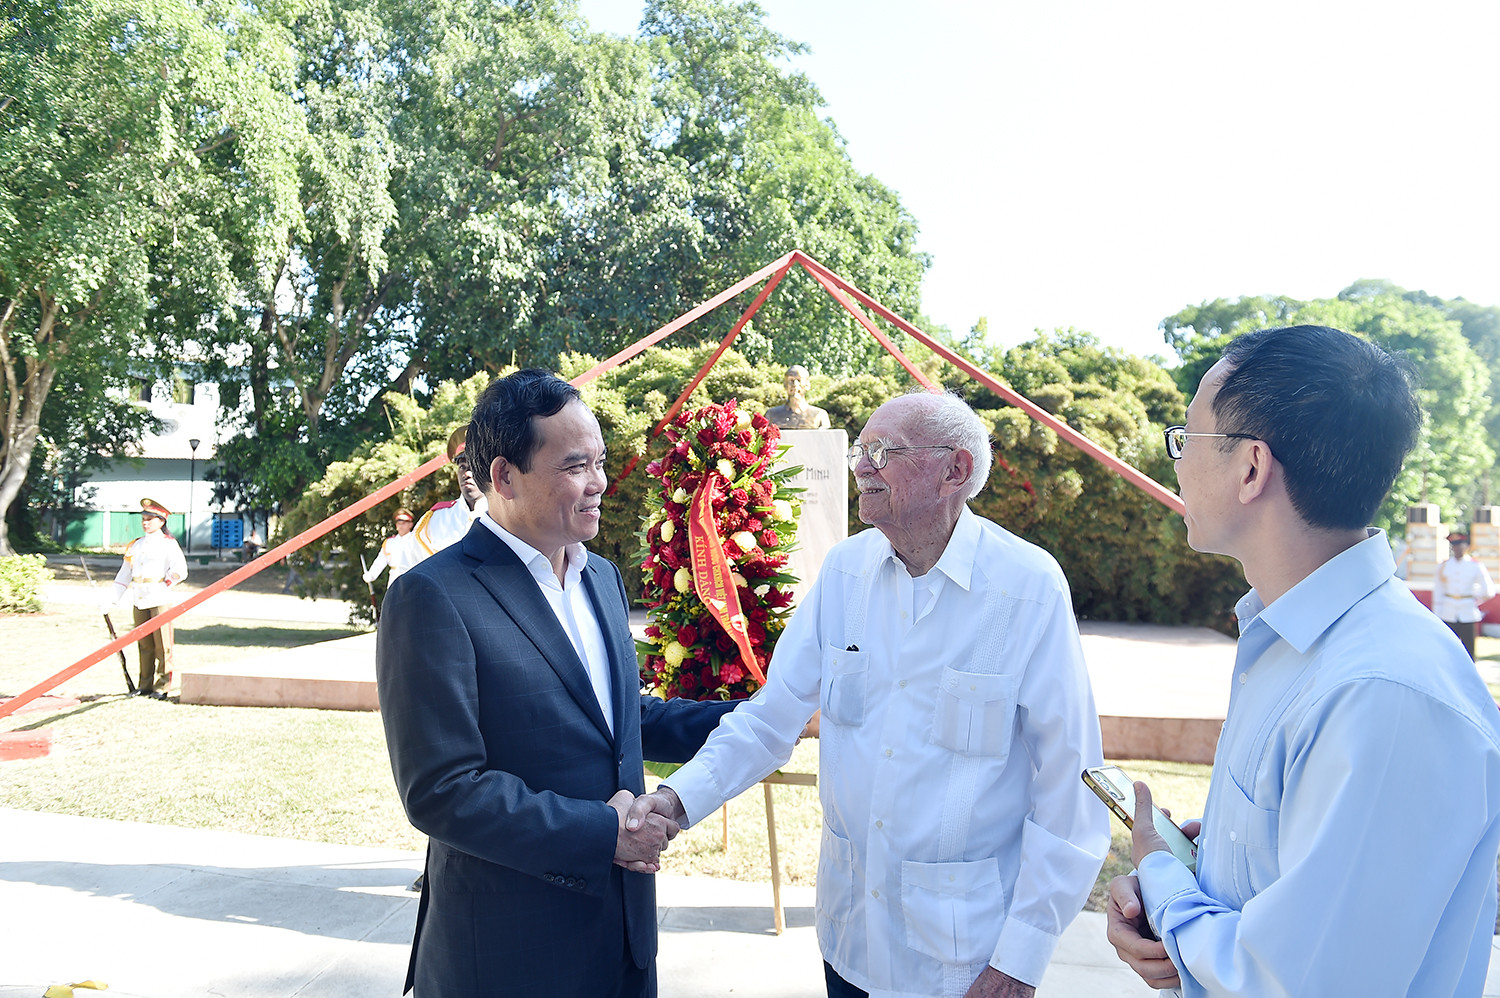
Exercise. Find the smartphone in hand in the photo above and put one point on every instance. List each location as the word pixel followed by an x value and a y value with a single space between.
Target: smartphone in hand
pixel 1117 790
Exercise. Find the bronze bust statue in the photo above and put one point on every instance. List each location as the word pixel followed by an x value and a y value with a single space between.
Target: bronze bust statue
pixel 797 413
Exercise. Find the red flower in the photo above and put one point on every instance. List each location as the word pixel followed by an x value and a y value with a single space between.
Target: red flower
pixel 778 597
pixel 709 679
pixel 769 538
pixel 724 642
pixel 652 631
pixel 731 673
pixel 687 635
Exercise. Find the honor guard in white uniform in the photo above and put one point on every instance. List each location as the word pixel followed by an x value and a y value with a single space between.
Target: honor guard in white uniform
pixel 448 521
pixel 153 564
pixel 1462 584
pixel 398 552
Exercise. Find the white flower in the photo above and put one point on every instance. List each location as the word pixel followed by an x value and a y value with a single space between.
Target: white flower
pixel 673 653
pixel 741 420
pixel 745 539
pixel 683 580
pixel 667 530
pixel 680 496
pixel 781 509
pixel 762 590
pixel 726 468
pixel 737 579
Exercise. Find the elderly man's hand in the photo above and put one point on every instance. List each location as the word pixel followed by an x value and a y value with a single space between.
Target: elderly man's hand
pixel 992 983
pixel 1129 934
pixel 639 849
pixel 662 801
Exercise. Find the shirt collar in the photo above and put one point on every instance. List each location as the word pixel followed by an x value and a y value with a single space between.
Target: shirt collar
pixel 534 560
pixel 957 560
pixel 1310 607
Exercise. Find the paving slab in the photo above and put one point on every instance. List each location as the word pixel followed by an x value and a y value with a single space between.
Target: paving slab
pixel 162 912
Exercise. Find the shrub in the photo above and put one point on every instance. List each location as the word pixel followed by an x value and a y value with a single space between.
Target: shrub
pixel 21 578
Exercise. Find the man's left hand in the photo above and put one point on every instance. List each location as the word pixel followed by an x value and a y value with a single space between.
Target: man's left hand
pixel 991 983
pixel 1144 838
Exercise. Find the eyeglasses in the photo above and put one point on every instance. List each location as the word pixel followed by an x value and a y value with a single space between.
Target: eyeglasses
pixel 1176 437
pixel 879 452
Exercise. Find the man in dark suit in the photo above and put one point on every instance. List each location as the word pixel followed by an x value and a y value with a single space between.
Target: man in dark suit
pixel 516 727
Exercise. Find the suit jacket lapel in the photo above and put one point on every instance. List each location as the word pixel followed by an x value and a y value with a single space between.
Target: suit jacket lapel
pixel 517 592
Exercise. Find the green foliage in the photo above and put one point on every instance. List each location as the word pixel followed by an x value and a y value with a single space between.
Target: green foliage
pixel 330 566
pixel 1125 555
pixel 140 141
pixel 21 578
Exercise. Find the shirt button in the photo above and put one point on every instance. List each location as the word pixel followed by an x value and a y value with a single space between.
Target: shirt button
pixel 879 824
pixel 874 894
pixel 1243 679
pixel 903 684
pixel 1233 836
pixel 887 753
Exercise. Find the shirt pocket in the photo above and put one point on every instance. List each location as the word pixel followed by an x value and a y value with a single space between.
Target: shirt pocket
pixel 835 877
pixel 953 911
pixel 845 677
pixel 975 713
pixel 1253 836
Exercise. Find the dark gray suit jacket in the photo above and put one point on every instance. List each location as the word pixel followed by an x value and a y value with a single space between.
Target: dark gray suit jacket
pixel 502 756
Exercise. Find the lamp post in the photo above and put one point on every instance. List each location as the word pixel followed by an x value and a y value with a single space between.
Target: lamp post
pixel 192 473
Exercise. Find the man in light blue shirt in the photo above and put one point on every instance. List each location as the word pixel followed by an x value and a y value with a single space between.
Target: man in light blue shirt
pixel 1349 842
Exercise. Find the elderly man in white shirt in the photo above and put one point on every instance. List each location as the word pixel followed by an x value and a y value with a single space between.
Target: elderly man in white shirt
pixel 958 839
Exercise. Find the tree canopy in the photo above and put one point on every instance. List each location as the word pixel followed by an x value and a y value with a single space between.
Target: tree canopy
pixel 317 202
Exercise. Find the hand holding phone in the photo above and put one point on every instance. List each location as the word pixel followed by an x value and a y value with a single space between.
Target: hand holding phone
pixel 1117 790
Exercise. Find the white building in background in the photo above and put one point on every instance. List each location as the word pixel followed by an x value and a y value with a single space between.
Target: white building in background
pixel 165 466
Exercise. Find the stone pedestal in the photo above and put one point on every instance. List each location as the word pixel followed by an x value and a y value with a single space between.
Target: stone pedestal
pixel 823 455
pixel 1484 539
pixel 1427 544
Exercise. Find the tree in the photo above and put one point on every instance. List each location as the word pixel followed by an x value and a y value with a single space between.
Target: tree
pixel 769 176
pixel 107 185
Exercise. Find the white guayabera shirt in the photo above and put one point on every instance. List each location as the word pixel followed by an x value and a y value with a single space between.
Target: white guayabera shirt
pixel 957 718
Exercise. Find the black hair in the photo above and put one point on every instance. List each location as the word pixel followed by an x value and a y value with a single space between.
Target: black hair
pixel 502 422
pixel 1338 412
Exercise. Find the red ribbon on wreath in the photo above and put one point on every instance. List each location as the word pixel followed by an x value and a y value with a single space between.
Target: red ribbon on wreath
pixel 711 574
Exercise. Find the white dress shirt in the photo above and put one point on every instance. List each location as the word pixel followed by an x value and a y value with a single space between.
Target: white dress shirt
pixel 957 719
pixel 1353 819
pixel 1460 586
pixel 569 600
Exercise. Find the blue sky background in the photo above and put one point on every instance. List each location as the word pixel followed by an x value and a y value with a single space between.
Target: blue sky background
pixel 1101 165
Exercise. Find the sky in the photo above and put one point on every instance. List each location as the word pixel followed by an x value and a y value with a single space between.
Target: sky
pixel 1102 165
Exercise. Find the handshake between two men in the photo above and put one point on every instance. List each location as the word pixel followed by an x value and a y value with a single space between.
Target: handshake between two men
pixel 647 824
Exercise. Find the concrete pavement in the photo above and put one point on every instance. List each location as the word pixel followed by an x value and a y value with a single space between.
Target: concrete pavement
pixel 162 912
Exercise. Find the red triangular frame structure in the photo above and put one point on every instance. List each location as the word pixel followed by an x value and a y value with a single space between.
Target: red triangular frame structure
pixel 845 293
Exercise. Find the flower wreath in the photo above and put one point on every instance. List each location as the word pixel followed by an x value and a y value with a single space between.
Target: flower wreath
pixel 714 546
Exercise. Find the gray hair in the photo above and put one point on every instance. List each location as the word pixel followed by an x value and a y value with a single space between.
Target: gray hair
pixel 950 420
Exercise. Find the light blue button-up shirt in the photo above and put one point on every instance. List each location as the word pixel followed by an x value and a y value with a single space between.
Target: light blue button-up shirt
pixel 1350 836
